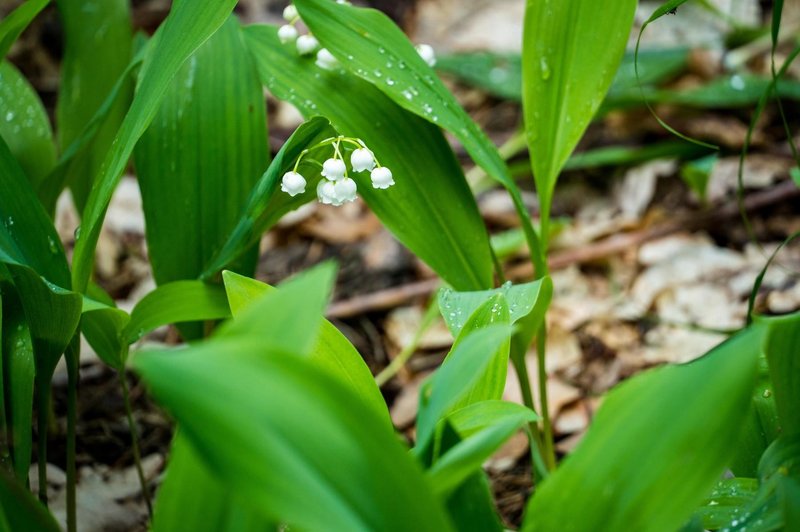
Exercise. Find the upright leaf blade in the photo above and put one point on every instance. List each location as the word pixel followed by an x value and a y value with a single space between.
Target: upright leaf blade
pixel 97 49
pixel 430 209
pixel 15 23
pixel 201 156
pixel 571 51
pixel 188 26
pixel 656 447
pixel 783 355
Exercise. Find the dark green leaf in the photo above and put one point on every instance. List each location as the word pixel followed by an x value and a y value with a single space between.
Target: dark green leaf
pixel 24 125
pixel 188 25
pixel 656 447
pixel 728 502
pixel 97 49
pixel 430 209
pixel 20 511
pixel 15 23
pixel 201 157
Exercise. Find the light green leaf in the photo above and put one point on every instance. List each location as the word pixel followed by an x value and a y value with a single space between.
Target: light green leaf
pixel 201 156
pixel 430 209
pixel 188 25
pixel 460 377
pixel 24 125
pixel 191 498
pixel 15 23
pixel 727 502
pixel 97 49
pixel 265 207
pixel 287 433
pixel 783 353
pixel 633 470
pixel 178 302
pixel 478 416
pixel 571 51
pixel 332 351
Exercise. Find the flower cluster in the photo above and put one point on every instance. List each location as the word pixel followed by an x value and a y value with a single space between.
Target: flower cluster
pixel 336 187
pixel 308 44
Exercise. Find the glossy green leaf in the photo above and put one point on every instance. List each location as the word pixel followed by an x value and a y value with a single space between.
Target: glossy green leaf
pixel 188 25
pixel 15 23
pixel 458 382
pixel 178 302
pixel 430 209
pixel 727 502
pixel 332 351
pixel 288 434
pixel 19 510
pixel 266 205
pixel 635 471
pixel 783 353
pixel 97 50
pixel 571 51
pixel 27 236
pixel 191 498
pixel 24 125
pixel 201 157
pixel 19 373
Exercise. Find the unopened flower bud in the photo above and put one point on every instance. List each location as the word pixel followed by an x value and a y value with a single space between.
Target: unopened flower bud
pixel 333 169
pixel 287 33
pixel 293 183
pixel 426 52
pixel 290 13
pixel 306 44
pixel 362 159
pixel 382 178
pixel 326 60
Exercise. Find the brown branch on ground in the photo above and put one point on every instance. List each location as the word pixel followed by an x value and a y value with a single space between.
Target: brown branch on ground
pixel 396 296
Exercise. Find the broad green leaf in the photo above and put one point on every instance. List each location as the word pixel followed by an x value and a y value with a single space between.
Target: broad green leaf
pixel 103 327
pixel 18 376
pixel 97 50
pixel 288 434
pixel 783 353
pixel 27 236
pixel 188 25
pixel 478 416
pixel 430 209
pixel 656 447
pixel 201 157
pixel 332 351
pixel 460 378
pixel 266 204
pixel 571 51
pixel 191 498
pixel 178 302
pixel 471 506
pixel 522 299
pixel 371 46
pixel 24 125
pixel 20 511
pixel 15 23
pixel 727 502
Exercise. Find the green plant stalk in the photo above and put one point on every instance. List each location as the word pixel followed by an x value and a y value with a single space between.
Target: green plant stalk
pixel 547 426
pixel 73 376
pixel 43 395
pixel 521 367
pixel 137 458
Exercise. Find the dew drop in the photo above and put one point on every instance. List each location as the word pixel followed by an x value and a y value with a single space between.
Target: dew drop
pixel 77 233
pixel 427 108
pixel 382 50
pixel 767 394
pixel 407 94
pixel 390 81
pixel 402 65
pixel 737 83
pixel 545 68
pixel 9 116
pixel 377 73
pixel 52 245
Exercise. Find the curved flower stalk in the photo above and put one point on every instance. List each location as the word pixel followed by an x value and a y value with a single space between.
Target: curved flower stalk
pixel 337 187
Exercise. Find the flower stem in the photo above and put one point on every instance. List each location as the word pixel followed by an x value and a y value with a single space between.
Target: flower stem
pixel 72 356
pixel 43 394
pixel 135 442
pixel 549 450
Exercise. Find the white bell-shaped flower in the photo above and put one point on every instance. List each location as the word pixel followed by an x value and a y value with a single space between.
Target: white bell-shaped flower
pixel 326 192
pixel 346 190
pixel 306 44
pixel 426 52
pixel 362 159
pixel 333 169
pixel 293 183
pixel 382 178
pixel 326 60
pixel 290 13
pixel 287 33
